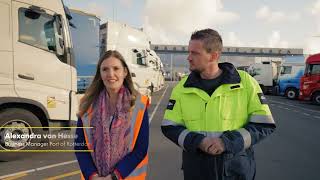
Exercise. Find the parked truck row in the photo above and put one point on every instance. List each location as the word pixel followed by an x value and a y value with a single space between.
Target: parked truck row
pixel 295 77
pixel 134 45
pixel 91 40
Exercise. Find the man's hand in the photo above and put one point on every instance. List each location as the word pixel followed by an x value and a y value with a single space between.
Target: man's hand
pixel 213 146
pixel 217 146
pixel 205 144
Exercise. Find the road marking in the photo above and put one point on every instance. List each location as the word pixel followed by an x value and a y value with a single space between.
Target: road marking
pixel 38 169
pixel 318 117
pixel 16 176
pixel 56 165
pixel 64 175
pixel 293 106
pixel 156 108
pixel 306 114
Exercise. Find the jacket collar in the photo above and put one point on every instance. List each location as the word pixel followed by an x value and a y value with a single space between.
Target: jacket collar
pixel 230 76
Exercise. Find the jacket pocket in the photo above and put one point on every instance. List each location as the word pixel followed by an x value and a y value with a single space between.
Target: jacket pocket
pixel 192 114
pixel 240 165
pixel 233 111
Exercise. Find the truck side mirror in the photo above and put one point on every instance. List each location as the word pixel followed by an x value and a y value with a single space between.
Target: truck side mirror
pixel 60 49
pixel 58 24
pixel 59 36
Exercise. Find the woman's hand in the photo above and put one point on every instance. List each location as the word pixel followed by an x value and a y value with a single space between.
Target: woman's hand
pixel 96 177
pixel 108 177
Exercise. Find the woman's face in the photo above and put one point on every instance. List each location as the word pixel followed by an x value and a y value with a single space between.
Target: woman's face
pixel 112 74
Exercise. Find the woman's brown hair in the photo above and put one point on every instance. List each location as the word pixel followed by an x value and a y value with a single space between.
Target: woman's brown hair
pixel 97 85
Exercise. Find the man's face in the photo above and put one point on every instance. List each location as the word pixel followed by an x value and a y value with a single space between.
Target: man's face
pixel 198 57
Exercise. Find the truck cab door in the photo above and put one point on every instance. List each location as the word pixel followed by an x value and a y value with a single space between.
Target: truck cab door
pixel 41 70
pixel 314 76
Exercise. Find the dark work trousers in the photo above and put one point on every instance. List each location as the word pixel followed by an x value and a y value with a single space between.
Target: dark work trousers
pixel 227 166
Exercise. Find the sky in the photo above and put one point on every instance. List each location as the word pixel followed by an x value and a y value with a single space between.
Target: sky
pixel 241 23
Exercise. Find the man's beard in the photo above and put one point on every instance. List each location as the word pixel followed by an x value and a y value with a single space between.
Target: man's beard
pixel 198 71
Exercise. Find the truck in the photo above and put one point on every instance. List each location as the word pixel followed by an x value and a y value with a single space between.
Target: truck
pixel 291 71
pixel 38 79
pixel 310 81
pixel 156 70
pixel 133 44
pixel 266 73
pixel 85 37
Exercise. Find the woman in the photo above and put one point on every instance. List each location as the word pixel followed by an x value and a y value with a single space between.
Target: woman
pixel 118 139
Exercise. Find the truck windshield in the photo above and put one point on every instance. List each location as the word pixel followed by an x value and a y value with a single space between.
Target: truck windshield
pixel 286 69
pixel 314 68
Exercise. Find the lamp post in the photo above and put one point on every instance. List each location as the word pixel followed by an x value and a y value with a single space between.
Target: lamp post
pixel 171 71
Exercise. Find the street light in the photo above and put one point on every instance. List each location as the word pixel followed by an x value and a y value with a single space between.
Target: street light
pixel 171 67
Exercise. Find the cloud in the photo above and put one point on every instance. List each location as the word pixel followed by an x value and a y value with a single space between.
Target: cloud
pixel 98 9
pixel 232 40
pixel 173 21
pixel 275 40
pixel 312 45
pixel 265 14
pixel 315 10
pixel 126 3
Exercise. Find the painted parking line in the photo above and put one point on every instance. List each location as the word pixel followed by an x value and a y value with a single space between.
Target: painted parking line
pixel 297 107
pixel 16 176
pixel 156 108
pixel 64 175
pixel 37 169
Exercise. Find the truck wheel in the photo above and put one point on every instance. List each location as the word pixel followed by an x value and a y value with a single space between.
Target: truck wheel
pixel 316 98
pixel 21 122
pixel 291 93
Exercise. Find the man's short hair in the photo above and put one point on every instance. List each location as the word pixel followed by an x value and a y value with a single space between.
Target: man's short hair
pixel 211 39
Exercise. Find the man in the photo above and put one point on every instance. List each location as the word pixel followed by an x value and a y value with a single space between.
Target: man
pixel 216 115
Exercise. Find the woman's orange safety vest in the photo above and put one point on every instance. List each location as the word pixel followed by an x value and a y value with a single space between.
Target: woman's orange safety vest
pixel 141 103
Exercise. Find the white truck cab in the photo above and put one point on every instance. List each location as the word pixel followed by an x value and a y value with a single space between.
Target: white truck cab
pixel 266 72
pixel 37 72
pixel 133 44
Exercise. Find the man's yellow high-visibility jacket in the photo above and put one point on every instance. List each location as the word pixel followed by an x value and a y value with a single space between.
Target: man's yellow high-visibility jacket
pixel 237 112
